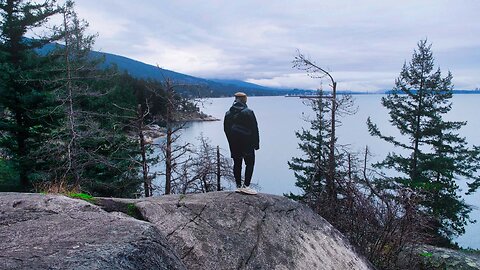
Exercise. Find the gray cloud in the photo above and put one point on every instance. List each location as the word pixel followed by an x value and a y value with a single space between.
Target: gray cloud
pixel 364 43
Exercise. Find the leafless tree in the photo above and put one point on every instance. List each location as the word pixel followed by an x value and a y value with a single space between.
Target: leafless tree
pixel 177 111
pixel 137 127
pixel 203 170
pixel 76 46
pixel 382 219
pixel 144 151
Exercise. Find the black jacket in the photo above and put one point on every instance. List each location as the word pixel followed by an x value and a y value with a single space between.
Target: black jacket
pixel 240 126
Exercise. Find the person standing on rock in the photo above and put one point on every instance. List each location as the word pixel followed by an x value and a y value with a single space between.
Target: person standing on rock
pixel 241 129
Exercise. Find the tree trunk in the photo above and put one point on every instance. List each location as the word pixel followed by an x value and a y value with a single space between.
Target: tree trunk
pixel 22 154
pixel 332 193
pixel 219 188
pixel 168 161
pixel 71 146
pixel 205 183
pixel 146 180
pixel 414 172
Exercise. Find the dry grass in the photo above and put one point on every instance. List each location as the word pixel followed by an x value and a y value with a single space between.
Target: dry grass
pixel 60 187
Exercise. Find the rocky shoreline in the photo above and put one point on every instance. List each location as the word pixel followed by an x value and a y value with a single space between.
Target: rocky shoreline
pixel 154 131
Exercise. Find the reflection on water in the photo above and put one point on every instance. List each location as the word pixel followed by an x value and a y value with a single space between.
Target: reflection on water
pixel 279 117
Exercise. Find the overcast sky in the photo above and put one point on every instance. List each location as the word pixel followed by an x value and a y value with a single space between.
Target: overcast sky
pixel 363 43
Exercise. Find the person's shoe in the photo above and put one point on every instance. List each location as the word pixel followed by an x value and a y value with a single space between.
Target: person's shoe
pixel 240 189
pixel 249 190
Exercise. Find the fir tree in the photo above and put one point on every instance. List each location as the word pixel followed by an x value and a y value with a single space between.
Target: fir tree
pixel 320 172
pixel 108 150
pixel 75 72
pixel 25 94
pixel 436 156
pixel 311 170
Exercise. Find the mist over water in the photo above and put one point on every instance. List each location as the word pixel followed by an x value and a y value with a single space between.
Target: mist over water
pixel 279 117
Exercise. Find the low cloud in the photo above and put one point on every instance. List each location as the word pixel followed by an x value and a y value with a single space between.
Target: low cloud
pixel 365 44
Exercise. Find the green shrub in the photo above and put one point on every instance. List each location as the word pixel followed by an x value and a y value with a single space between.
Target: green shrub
pixel 82 196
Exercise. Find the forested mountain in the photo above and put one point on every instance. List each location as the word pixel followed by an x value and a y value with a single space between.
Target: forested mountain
pixel 199 86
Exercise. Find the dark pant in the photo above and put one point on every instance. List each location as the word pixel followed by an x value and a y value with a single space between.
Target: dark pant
pixel 237 169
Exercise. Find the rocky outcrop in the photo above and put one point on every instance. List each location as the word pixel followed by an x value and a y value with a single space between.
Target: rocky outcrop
pixel 218 230
pixel 226 230
pixel 55 232
pixel 430 257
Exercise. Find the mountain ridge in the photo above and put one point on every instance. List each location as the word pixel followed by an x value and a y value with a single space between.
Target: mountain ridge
pixel 206 87
pixel 217 87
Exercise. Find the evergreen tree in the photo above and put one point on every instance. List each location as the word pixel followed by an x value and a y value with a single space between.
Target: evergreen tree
pixel 320 173
pixel 77 66
pixel 109 151
pixel 311 170
pixel 380 221
pixel 73 70
pixel 436 156
pixel 25 94
pixel 94 149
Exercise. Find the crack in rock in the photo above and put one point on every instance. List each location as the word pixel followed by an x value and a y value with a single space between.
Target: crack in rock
pixel 200 215
pixel 188 252
pixel 259 234
pixel 182 226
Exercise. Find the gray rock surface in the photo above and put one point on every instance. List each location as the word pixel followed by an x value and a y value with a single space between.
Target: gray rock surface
pixel 226 230
pixel 55 232
pixel 220 230
pixel 442 258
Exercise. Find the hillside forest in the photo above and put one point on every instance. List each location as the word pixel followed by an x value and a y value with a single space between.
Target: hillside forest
pixel 69 123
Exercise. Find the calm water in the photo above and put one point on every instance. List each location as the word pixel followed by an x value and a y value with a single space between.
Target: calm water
pixel 279 117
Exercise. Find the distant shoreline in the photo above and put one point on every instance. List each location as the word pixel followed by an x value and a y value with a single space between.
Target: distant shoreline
pixel 154 131
pixel 459 92
pixel 455 92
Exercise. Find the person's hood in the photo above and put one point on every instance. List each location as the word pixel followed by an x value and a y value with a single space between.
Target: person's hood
pixel 237 107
